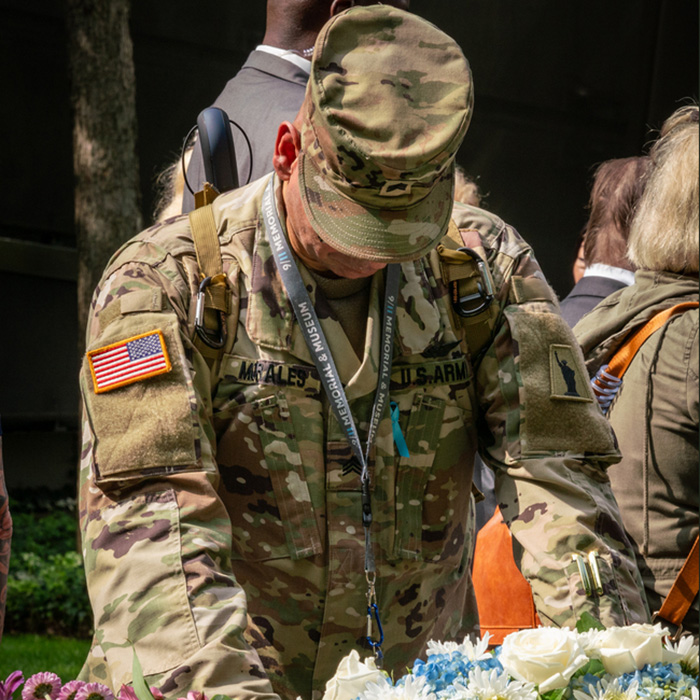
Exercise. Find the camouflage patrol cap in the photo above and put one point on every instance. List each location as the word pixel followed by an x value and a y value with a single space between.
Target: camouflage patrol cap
pixel 387 105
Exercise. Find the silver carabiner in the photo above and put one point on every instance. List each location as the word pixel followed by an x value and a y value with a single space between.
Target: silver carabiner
pixel 200 328
pixel 484 290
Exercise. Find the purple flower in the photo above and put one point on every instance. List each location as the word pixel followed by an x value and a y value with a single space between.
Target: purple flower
pixel 126 692
pixel 70 689
pixel 11 683
pixel 42 686
pixel 194 695
pixel 94 691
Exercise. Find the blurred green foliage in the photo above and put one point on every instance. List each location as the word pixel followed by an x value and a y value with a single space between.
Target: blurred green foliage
pixel 46 592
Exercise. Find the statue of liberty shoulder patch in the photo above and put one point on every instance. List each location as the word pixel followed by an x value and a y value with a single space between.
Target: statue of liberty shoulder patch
pixel 567 379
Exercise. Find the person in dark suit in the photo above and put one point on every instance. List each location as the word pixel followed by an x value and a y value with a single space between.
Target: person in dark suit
pixel 617 186
pixel 270 86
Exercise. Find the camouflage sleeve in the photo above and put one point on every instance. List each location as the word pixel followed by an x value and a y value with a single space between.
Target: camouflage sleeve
pixel 5 539
pixel 549 445
pixel 156 537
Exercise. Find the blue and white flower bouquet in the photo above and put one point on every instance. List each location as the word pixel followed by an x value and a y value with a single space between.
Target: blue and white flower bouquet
pixel 546 663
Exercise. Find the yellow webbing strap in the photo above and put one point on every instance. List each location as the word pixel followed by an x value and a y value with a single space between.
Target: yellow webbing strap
pixel 206 246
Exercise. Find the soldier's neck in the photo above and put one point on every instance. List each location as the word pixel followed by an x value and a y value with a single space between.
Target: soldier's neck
pixel 349 300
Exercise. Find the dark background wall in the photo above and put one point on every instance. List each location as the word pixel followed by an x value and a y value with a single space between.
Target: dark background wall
pixel 560 87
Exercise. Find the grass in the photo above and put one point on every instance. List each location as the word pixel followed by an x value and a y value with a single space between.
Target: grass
pixel 32 653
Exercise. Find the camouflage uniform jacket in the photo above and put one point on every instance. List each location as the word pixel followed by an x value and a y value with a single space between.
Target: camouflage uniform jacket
pixel 200 483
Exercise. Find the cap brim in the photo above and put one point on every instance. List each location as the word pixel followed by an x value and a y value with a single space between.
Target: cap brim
pixel 381 235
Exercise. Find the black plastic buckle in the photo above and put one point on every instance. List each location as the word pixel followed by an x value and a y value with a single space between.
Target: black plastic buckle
pixel 463 304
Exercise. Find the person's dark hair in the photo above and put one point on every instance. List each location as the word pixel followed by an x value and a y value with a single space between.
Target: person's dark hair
pixel 617 186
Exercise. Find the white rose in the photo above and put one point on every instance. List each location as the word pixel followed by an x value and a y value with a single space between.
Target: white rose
pixel 546 656
pixel 351 677
pixel 627 649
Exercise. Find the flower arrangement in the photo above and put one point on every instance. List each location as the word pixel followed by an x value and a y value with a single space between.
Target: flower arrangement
pixel 546 663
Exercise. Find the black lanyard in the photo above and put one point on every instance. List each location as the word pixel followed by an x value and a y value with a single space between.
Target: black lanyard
pixel 321 355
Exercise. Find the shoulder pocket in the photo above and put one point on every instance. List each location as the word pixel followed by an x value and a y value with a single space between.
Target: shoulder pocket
pixel 148 426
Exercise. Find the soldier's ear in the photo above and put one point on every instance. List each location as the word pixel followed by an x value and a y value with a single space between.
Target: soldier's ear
pixel 337 6
pixel 287 148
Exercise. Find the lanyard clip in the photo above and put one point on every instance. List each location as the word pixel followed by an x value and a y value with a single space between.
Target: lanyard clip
pixel 371 577
pixel 373 617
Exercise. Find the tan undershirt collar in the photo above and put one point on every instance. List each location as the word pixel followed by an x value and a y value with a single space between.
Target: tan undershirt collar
pixel 349 300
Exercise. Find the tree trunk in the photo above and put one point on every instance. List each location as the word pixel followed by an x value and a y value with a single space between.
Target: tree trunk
pixel 105 163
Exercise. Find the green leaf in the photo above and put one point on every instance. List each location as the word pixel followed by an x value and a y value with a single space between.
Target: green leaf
pixel 594 667
pixel 558 694
pixel 221 697
pixel 588 622
pixel 143 692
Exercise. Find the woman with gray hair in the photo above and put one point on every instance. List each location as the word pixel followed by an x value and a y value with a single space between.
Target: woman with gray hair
pixel 654 408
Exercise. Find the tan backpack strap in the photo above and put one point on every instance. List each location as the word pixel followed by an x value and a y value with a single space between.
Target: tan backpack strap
pixel 206 246
pixel 213 294
pixel 607 380
pixel 683 591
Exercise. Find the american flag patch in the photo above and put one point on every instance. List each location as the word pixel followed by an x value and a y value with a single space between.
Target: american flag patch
pixel 129 361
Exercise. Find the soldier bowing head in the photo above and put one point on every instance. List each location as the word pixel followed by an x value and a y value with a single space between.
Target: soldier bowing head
pixel 368 163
